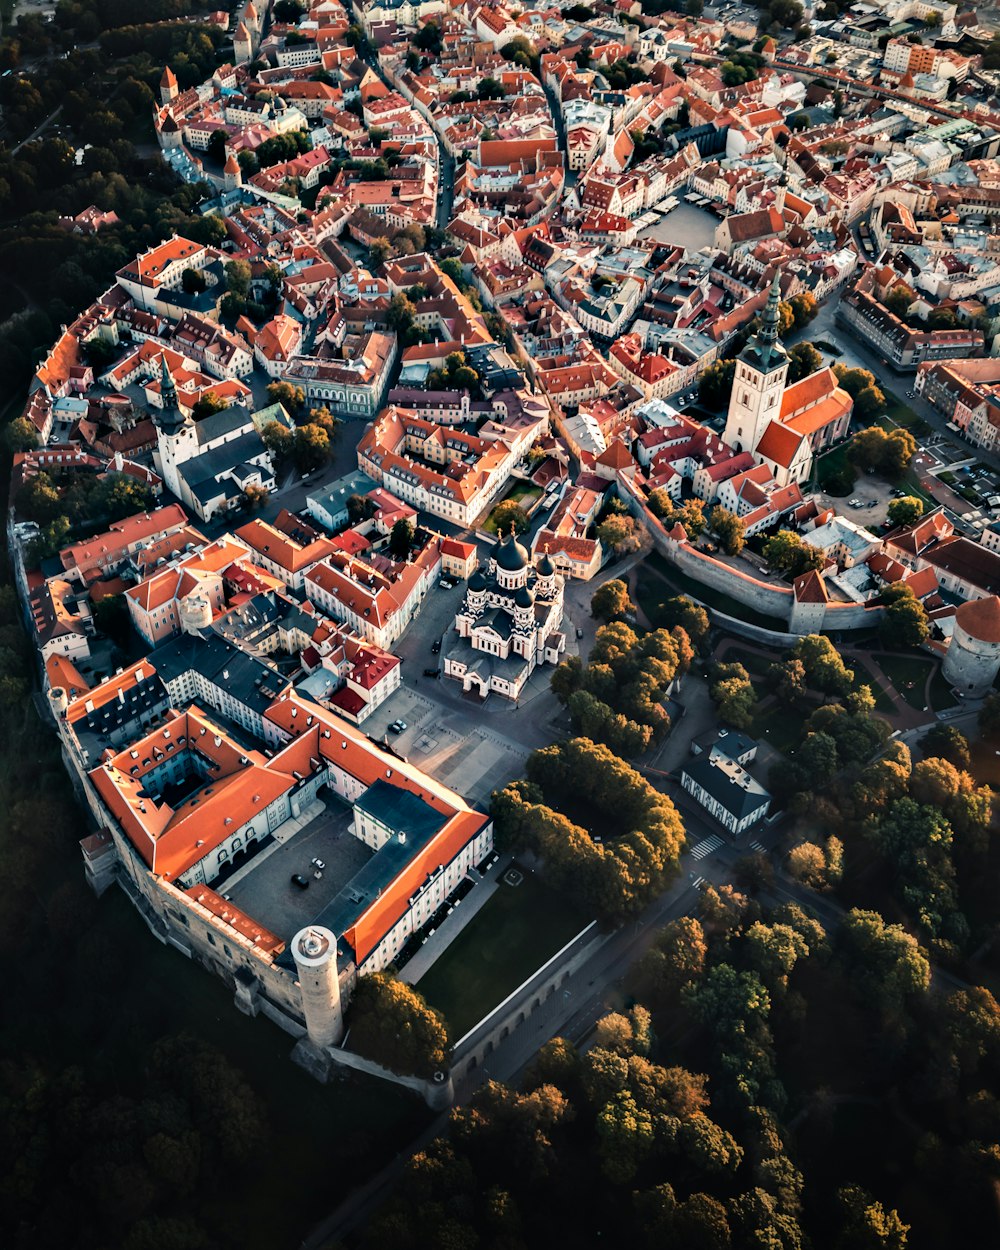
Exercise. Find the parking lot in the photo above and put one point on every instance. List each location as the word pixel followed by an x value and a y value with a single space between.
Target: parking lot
pixel 266 892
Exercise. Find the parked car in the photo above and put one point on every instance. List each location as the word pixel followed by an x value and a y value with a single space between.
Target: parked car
pixel 436 646
pixel 300 881
pixel 432 672
pixel 318 863
pixel 397 726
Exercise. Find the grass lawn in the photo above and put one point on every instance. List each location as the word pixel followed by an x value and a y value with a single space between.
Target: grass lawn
pixel 523 493
pixel 754 663
pixel 985 766
pixel 779 726
pixel 908 673
pixel 510 938
pixel 941 693
pixel 658 580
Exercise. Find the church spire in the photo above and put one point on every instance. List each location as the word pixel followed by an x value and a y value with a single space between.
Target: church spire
pixel 168 391
pixel 772 314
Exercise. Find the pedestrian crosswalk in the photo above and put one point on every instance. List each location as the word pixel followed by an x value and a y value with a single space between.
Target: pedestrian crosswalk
pixel 757 846
pixel 698 882
pixel 706 847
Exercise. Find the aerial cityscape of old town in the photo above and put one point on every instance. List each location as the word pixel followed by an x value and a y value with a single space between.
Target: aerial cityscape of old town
pixel 500 624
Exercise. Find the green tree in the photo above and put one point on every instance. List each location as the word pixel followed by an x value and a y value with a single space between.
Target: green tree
pixel 869 403
pixel 690 514
pixel 867 1224
pixel 803 359
pixel 681 612
pixel 948 743
pixel 804 308
pixel 825 670
pixel 277 439
pixel 792 555
pixel 905 511
pixel 885 963
pixel 611 601
pixel 904 622
pixel 619 534
pixel 715 386
pixel 238 278
pixel 728 529
pixel 391 1024
pixel 509 513
pixel 400 539
pixel 311 448
pixel 208 404
pixel 21 435
pixel 379 251
pixel 291 398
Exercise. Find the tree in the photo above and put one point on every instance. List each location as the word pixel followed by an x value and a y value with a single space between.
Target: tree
pixel 193 281
pixel 948 743
pixel 886 964
pixel 690 514
pixel 379 251
pixel 290 397
pixel 311 448
pixel 490 89
pixel 400 539
pixel 867 1225
pixel 791 555
pixel 21 435
pixel 360 508
pixel 509 513
pixel 789 681
pixel 392 1024
pixel 238 277
pixel 715 386
pixel 254 497
pixel 428 38
pixel 728 529
pixel 611 601
pixel 208 404
pixel 38 499
pixel 734 701
pixel 898 301
pixel 803 359
pixel 989 716
pixel 904 621
pixel 277 439
pixel 905 511
pixel 853 381
pixel 681 612
pixel 869 403
pixel 619 534
pixel 804 308
pixel 825 670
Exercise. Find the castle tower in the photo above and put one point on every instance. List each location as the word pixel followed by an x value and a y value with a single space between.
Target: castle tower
pixel 232 175
pixel 315 953
pixel 242 44
pixel 169 89
pixel 972 660
pixel 759 380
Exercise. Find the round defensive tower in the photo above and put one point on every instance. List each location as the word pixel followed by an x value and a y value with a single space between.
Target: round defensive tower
pixel 58 701
pixel 972 660
pixel 196 613
pixel 314 950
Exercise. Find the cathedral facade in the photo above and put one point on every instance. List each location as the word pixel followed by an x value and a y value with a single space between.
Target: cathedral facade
pixel 508 623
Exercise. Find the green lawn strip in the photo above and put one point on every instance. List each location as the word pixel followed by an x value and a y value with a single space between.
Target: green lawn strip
pixel 516 931
pixel 778 725
pixel 942 695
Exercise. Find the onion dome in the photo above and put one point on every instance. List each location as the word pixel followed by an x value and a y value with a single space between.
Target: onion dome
pixel 477 581
pixel 511 555
pixel 524 598
pixel 545 566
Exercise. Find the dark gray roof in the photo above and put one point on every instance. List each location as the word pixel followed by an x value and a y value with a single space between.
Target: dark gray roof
pixel 219 424
pixel 250 681
pixel 738 799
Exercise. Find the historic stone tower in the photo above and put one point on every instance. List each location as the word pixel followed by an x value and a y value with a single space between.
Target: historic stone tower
pixel 972 660
pixel 169 89
pixel 759 380
pixel 315 953
pixel 232 175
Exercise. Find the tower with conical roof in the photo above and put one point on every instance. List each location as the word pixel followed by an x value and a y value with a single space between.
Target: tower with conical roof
pixel 232 175
pixel 169 89
pixel 759 380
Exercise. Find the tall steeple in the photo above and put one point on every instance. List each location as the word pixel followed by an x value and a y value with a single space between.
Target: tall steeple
pixel 169 419
pixel 772 314
pixel 759 379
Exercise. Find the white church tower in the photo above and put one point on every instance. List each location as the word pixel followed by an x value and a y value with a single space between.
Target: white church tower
pixel 759 381
pixel 176 440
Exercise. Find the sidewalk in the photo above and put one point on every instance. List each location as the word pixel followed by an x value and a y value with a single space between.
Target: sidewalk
pixel 469 907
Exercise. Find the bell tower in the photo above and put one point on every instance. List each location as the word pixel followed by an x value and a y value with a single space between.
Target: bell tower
pixel 759 380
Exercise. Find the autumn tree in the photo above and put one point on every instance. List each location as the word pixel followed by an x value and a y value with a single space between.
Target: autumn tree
pixel 509 513
pixel 728 529
pixel 905 511
pixel 391 1024
pixel 611 601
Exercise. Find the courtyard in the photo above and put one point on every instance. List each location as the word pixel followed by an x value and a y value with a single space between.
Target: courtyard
pixel 264 889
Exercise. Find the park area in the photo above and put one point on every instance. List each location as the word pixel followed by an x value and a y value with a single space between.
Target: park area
pixel 515 932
